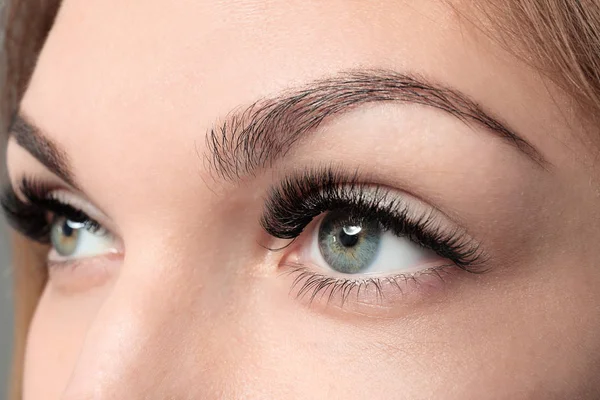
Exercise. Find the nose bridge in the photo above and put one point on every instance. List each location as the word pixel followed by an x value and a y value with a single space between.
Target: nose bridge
pixel 133 343
pixel 166 328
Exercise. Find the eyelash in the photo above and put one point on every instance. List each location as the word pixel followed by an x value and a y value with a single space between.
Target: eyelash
pixel 32 217
pixel 290 208
pixel 292 205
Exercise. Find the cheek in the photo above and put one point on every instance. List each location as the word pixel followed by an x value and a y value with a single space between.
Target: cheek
pixel 533 334
pixel 56 337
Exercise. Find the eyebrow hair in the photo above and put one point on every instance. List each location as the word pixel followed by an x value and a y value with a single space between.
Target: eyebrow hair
pixel 256 137
pixel 31 138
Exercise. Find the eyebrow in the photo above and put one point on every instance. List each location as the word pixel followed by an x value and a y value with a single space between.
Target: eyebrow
pixel 31 138
pixel 255 137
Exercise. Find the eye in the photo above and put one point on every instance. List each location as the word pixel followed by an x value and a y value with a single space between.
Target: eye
pixel 364 241
pixel 353 245
pixel 62 219
pixel 78 239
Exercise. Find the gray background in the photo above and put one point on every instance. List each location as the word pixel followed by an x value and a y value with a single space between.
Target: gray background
pixel 5 297
pixel 5 277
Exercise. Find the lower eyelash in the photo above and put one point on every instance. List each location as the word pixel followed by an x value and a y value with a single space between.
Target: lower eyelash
pixel 312 286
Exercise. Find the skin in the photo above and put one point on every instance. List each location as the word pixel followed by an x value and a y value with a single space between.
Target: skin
pixel 194 307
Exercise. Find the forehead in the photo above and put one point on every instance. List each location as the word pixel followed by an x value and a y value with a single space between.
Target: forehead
pixel 201 57
pixel 154 76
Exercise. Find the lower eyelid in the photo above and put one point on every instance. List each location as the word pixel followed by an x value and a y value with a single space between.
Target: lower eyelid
pixel 373 296
pixel 75 276
pixel 317 288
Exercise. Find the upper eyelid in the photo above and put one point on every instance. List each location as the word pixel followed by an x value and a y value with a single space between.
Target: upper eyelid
pixel 69 198
pixel 367 178
pixel 339 176
pixel 333 182
pixel 90 210
pixel 78 203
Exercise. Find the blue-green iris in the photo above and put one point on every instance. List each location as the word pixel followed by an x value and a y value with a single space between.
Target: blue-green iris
pixel 64 235
pixel 349 247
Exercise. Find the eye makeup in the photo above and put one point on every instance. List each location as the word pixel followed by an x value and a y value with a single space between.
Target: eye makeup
pixel 33 216
pixel 53 216
pixel 314 194
pixel 349 236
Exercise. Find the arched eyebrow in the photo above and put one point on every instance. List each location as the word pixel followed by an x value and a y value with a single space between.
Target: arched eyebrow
pixel 256 137
pixel 41 147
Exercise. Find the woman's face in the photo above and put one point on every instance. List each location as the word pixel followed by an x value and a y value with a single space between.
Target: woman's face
pixel 304 199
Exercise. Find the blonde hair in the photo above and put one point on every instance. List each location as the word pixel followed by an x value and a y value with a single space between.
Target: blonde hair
pixel 561 38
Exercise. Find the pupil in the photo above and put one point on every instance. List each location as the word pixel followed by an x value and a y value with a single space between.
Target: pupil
pixel 67 230
pixel 349 236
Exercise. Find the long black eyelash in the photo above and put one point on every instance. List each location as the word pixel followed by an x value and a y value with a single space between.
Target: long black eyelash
pixel 293 204
pixel 32 217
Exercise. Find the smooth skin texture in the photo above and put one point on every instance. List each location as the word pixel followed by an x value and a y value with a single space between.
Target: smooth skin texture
pixel 197 308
